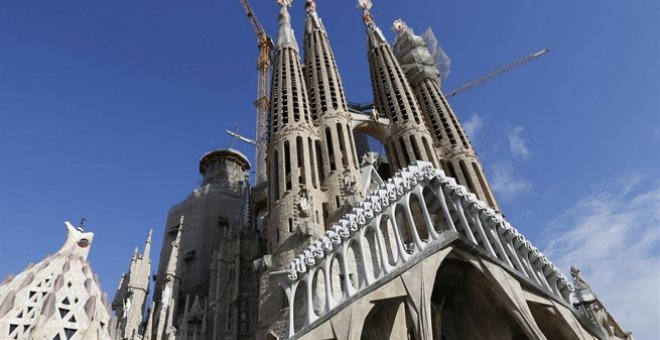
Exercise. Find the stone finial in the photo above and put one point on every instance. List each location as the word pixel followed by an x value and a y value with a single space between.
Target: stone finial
pixel 310 5
pixel 399 26
pixel 366 6
pixel 578 281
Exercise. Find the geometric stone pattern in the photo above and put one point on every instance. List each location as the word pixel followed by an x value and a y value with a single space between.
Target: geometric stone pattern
pixel 59 298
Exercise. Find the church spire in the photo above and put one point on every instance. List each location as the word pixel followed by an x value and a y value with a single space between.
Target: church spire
pixel 131 296
pixel 170 292
pixel 457 157
pixel 295 192
pixel 409 138
pixel 339 165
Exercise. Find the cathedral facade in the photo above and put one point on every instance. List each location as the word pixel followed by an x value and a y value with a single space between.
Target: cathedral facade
pixel 339 242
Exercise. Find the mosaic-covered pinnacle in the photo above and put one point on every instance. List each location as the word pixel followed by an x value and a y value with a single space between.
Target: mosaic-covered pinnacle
pixel 312 20
pixel 399 26
pixel 366 15
pixel 310 6
pixel 375 37
pixel 285 38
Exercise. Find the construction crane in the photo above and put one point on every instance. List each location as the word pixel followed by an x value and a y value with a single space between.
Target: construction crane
pixel 368 105
pixel 498 72
pixel 265 44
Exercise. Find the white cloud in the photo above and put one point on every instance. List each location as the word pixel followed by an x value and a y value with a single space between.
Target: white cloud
pixel 613 236
pixel 473 126
pixel 505 184
pixel 517 143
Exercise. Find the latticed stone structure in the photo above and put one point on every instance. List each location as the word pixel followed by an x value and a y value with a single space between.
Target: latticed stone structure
pixel 58 298
pixel 339 242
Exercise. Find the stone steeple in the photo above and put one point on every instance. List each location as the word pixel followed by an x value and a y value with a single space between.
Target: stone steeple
pixel 457 156
pixel 131 296
pixel 170 291
pixel 408 138
pixel 58 298
pixel 336 154
pixel 295 191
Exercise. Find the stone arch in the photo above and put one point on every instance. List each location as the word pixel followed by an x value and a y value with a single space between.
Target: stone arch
pixel 370 138
pixel 381 321
pixel 464 305
pixel 419 217
pixel 319 297
pixel 436 212
pixel 372 257
pixel 336 274
pixel 353 262
pixel 550 321
pixel 389 242
pixel 300 306
pixel 405 228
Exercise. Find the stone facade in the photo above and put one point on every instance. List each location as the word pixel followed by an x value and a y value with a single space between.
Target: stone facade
pixel 336 244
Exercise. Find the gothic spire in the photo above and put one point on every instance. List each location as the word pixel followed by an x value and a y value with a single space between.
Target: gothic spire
pixel 329 109
pixel 457 157
pixel 409 139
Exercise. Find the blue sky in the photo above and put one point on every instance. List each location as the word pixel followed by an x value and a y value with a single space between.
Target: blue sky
pixel 106 108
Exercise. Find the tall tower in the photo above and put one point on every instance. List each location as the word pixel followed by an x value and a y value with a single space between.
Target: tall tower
pixel 408 139
pixel 211 210
pixel 295 192
pixel 169 297
pixel 131 296
pixel 335 151
pixel 457 156
pixel 57 298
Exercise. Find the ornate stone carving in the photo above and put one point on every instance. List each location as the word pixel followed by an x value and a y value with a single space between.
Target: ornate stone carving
pixel 348 184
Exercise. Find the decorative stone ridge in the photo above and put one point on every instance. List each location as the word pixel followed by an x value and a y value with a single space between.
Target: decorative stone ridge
pixel 59 298
pixel 387 230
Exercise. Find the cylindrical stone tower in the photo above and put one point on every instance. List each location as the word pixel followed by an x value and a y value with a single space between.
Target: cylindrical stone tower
pixel 295 197
pixel 408 139
pixel 457 156
pixel 335 150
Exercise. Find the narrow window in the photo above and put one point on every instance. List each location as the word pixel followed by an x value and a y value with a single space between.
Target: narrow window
pixel 276 181
pixel 319 160
pixel 406 156
pixel 301 160
pixel 413 142
pixel 466 175
pixel 331 153
pixel 351 138
pixel 312 161
pixel 287 165
pixel 450 170
pixel 342 146
pixel 429 152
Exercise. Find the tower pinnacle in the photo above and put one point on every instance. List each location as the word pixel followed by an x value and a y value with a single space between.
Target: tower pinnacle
pixel 286 37
pixel 452 145
pixel 338 165
pixel 409 139
pixel 366 14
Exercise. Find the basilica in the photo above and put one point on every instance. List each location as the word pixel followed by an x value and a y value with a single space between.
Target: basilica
pixel 336 241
